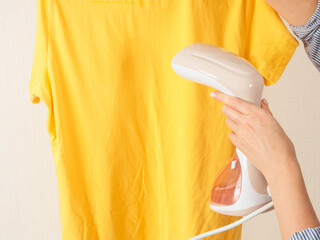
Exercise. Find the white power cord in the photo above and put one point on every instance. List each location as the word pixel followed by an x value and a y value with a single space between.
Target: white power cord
pixel 234 224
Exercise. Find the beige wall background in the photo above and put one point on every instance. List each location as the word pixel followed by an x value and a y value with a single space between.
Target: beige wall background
pixel 29 207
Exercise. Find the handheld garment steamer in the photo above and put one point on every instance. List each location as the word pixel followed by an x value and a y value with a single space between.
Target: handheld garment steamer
pixel 239 188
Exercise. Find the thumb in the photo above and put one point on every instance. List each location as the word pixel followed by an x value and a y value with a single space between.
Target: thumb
pixel 265 105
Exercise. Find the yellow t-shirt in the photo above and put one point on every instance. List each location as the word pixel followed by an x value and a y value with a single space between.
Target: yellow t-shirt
pixel 136 147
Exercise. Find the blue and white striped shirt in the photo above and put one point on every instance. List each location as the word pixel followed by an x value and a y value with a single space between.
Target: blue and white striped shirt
pixel 307 234
pixel 309 34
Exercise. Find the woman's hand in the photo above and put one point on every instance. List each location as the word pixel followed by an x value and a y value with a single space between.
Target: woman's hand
pixel 256 133
pixel 260 137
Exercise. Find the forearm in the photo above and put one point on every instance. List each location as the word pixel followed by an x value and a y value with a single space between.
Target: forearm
pixel 291 201
pixel 295 12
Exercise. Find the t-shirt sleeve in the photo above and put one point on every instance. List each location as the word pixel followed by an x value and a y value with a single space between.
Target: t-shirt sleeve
pixel 40 82
pixel 309 34
pixel 39 85
pixel 307 234
pixel 269 45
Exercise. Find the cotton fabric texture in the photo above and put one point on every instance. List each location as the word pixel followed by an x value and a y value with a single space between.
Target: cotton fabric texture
pixel 136 148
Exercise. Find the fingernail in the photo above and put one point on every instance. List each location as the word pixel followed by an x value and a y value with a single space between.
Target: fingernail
pixel 265 102
pixel 212 94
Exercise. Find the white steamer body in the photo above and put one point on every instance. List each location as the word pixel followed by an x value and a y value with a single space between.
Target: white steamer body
pixel 217 68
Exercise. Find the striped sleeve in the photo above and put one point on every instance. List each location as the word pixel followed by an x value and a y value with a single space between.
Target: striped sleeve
pixel 309 34
pixel 307 234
